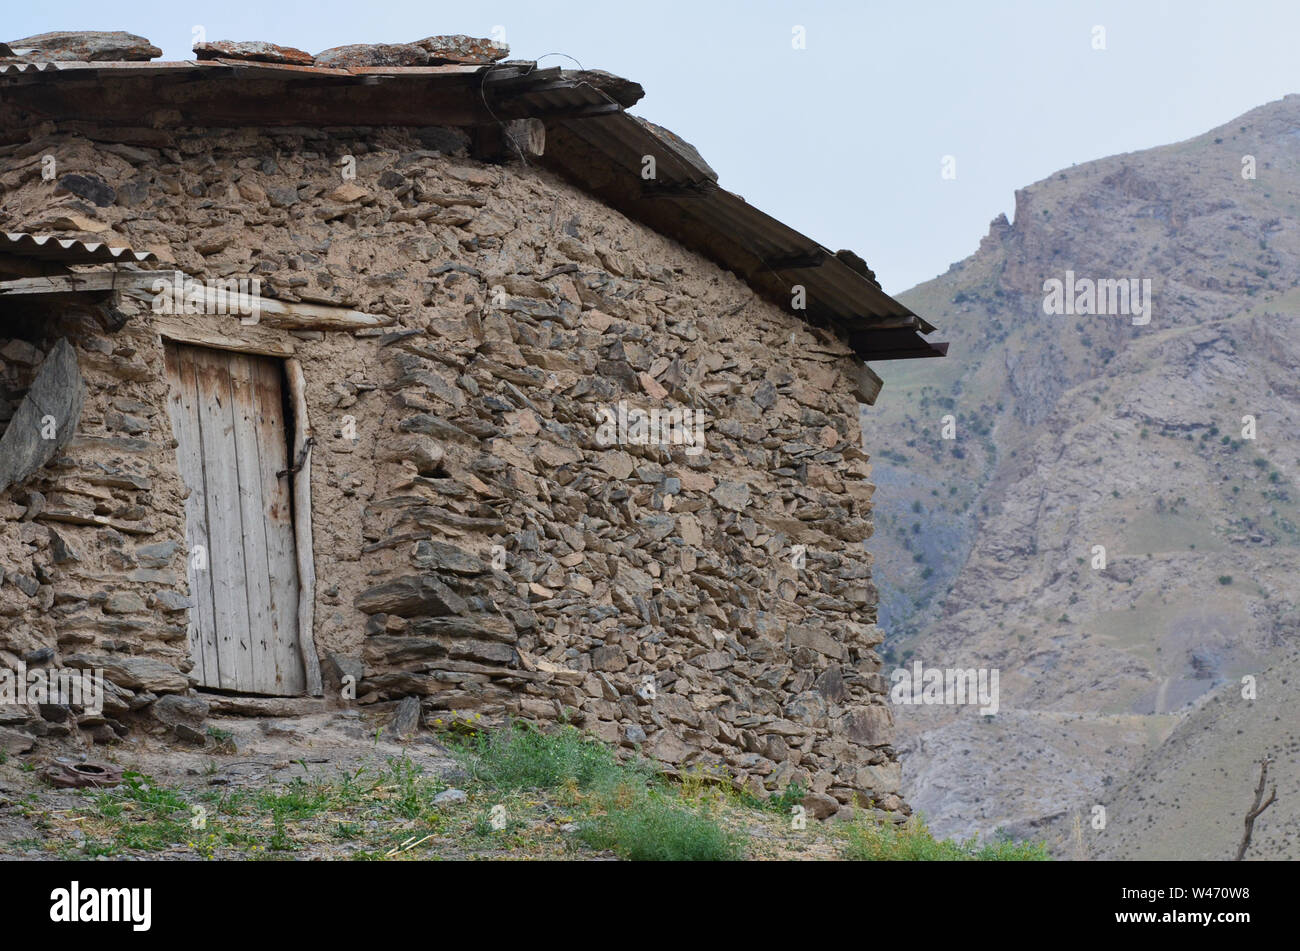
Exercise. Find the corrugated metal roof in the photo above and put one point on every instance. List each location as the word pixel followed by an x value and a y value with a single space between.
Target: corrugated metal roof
pixel 48 247
pixel 27 67
pixel 79 66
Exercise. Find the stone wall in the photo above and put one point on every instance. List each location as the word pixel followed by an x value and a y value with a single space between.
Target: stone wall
pixel 653 597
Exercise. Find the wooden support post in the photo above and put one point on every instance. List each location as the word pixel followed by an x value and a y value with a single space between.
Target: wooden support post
pixel 302 446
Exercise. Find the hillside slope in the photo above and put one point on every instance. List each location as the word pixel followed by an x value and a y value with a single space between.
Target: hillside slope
pixel 1079 431
pixel 1188 799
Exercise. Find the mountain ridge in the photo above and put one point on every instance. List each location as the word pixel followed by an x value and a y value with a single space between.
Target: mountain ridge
pixel 1080 431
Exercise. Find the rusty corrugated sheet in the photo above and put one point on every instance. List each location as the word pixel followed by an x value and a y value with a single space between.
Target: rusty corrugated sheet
pixel 81 67
pixel 48 247
pixel 15 68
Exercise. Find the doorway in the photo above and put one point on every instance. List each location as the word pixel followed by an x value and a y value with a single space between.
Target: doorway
pixel 228 416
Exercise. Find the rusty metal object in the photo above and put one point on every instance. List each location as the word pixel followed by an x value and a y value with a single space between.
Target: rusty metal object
pixel 83 775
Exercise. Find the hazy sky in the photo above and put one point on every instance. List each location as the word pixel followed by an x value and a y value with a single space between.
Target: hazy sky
pixel 843 139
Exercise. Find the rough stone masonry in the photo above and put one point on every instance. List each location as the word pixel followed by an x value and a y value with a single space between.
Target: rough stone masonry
pixel 476 546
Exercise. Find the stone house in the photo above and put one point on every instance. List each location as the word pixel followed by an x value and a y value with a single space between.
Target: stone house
pixel 408 371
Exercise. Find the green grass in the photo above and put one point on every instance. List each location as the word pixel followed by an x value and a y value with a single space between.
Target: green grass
pixel 867 840
pixel 655 828
pixel 522 757
pixel 297 799
pixel 780 802
pixel 150 817
pixel 631 811
pixel 529 794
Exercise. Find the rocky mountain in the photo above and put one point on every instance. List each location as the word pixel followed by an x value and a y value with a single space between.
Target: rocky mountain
pixel 1171 443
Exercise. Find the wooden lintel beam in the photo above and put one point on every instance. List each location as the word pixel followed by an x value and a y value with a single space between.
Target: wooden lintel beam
pixel 170 288
pixel 295 315
pixel 85 282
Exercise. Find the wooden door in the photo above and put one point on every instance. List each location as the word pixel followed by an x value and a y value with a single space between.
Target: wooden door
pixel 227 413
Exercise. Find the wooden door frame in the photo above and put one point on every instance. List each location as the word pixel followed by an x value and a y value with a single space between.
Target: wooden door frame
pixel 300 460
pixel 301 463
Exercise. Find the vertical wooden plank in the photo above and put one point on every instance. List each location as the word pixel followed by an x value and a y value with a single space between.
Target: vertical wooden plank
pixel 186 466
pixel 277 514
pixel 182 408
pixel 302 443
pixel 225 522
pixel 257 564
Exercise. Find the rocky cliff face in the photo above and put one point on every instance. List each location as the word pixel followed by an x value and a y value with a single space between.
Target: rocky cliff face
pixel 1084 430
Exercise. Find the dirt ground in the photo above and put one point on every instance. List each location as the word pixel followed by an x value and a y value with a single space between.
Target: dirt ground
pixel 329 786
